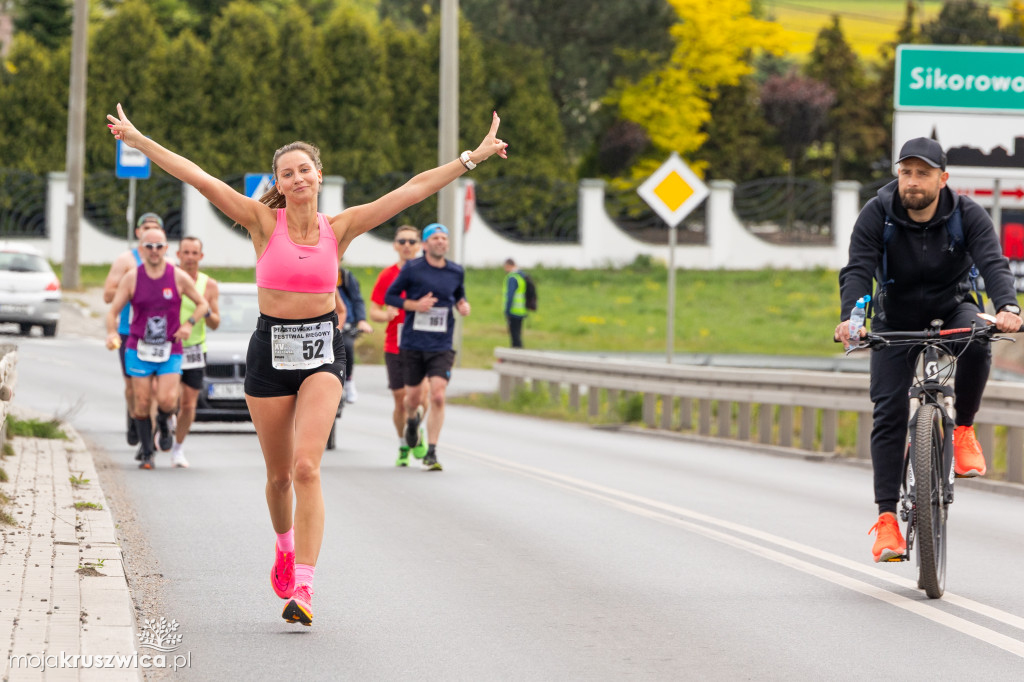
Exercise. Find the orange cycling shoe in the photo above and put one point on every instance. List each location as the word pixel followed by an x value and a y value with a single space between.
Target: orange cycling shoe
pixel 968 460
pixel 889 542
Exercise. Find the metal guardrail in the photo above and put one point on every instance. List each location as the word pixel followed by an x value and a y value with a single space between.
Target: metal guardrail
pixel 743 404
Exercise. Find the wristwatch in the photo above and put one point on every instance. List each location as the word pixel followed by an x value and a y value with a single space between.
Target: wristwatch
pixel 191 320
pixel 1011 308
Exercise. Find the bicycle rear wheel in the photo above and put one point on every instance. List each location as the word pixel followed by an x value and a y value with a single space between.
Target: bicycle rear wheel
pixel 930 507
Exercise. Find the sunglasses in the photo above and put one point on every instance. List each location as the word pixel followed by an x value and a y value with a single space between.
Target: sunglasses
pixel 403 242
pixel 155 245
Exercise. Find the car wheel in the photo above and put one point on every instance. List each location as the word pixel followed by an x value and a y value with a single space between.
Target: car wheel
pixel 330 438
pixel 50 329
pixel 26 328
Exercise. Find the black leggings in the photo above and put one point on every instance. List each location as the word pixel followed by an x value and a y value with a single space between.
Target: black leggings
pixel 892 372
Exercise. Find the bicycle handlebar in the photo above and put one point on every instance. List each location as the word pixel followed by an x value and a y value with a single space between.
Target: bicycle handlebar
pixel 933 335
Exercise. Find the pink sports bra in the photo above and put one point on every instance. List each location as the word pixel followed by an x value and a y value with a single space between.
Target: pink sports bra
pixel 288 266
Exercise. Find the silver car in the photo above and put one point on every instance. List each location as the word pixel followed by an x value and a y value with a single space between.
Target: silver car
pixel 222 397
pixel 29 290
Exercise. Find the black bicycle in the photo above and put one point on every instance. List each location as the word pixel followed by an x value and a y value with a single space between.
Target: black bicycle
pixel 927 489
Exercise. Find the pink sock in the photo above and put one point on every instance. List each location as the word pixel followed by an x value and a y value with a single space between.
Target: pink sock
pixel 304 574
pixel 286 541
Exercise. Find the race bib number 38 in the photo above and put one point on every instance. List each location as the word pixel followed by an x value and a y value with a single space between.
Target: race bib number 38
pixel 302 346
pixel 434 320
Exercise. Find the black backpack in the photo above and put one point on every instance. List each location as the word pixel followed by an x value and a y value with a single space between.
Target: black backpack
pixel 531 292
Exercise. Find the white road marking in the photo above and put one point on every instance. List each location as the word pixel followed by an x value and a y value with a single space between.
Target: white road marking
pixel 669 514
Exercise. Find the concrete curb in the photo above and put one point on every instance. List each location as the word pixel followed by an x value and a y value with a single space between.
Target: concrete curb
pixel 63 589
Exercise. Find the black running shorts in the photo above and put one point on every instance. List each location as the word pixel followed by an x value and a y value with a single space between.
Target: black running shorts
pixel 417 364
pixel 393 363
pixel 263 381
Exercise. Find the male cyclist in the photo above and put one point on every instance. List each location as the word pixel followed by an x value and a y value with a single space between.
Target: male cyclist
pixel 917 239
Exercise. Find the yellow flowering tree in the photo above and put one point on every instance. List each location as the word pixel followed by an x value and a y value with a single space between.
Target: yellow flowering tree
pixel 714 43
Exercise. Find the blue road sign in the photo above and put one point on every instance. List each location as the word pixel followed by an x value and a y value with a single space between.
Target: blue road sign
pixel 256 184
pixel 131 163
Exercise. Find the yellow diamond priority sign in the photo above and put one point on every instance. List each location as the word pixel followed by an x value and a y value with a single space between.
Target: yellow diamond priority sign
pixel 673 191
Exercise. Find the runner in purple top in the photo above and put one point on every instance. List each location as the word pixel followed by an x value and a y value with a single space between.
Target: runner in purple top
pixel 154 341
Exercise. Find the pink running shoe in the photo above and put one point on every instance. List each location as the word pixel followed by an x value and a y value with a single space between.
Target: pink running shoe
pixel 282 575
pixel 299 609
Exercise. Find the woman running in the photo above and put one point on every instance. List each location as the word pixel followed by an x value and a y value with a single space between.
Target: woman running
pixel 296 358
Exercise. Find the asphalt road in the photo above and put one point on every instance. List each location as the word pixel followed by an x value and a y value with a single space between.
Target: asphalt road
pixel 547 551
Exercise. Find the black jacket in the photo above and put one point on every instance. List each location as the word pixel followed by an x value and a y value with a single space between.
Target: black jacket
pixel 929 279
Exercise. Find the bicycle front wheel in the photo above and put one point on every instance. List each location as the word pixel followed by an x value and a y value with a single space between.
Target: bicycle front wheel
pixel 930 509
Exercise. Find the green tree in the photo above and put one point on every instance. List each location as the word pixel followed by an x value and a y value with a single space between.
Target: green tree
pixel 713 48
pixel 853 134
pixel 587 46
pixel 412 72
pixel 34 106
pixel 48 21
pixel 740 145
pixel 963 22
pixel 299 90
pixel 357 137
pixel 181 76
pixel 121 52
pixel 243 46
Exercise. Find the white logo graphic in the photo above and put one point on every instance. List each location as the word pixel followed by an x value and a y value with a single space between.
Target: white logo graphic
pixel 159 635
pixel 931 369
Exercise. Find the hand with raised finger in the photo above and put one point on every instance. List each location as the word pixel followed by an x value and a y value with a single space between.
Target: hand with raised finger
pixel 491 144
pixel 122 129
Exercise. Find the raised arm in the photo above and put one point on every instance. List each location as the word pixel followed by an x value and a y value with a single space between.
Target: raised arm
pixel 356 220
pixel 249 213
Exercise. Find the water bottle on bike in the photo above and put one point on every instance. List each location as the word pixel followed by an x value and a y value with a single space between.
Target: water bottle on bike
pixel 857 318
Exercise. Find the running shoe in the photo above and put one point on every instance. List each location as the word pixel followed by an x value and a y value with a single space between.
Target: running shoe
pixel 178 458
pixel 403 456
pixel 421 450
pixel 889 542
pixel 299 608
pixel 146 462
pixel 968 460
pixel 133 434
pixel 412 428
pixel 165 433
pixel 430 462
pixel 282 573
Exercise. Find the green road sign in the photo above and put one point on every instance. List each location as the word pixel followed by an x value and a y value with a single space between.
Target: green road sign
pixel 967 79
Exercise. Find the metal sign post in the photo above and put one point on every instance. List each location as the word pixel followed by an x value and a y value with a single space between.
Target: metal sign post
pixel 673 191
pixel 133 165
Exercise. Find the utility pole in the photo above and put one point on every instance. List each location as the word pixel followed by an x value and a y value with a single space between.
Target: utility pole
pixel 448 132
pixel 75 154
pixel 448 115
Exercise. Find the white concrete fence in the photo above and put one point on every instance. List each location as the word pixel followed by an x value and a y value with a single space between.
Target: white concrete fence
pixel 8 379
pixel 602 243
pixel 726 399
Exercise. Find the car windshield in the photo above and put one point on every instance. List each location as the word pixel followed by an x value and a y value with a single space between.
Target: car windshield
pixel 15 261
pixel 238 312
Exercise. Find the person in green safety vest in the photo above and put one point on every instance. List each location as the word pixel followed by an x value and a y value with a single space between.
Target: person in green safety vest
pixel 515 302
pixel 193 355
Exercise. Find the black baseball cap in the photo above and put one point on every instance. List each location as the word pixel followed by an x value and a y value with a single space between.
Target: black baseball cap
pixel 926 149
